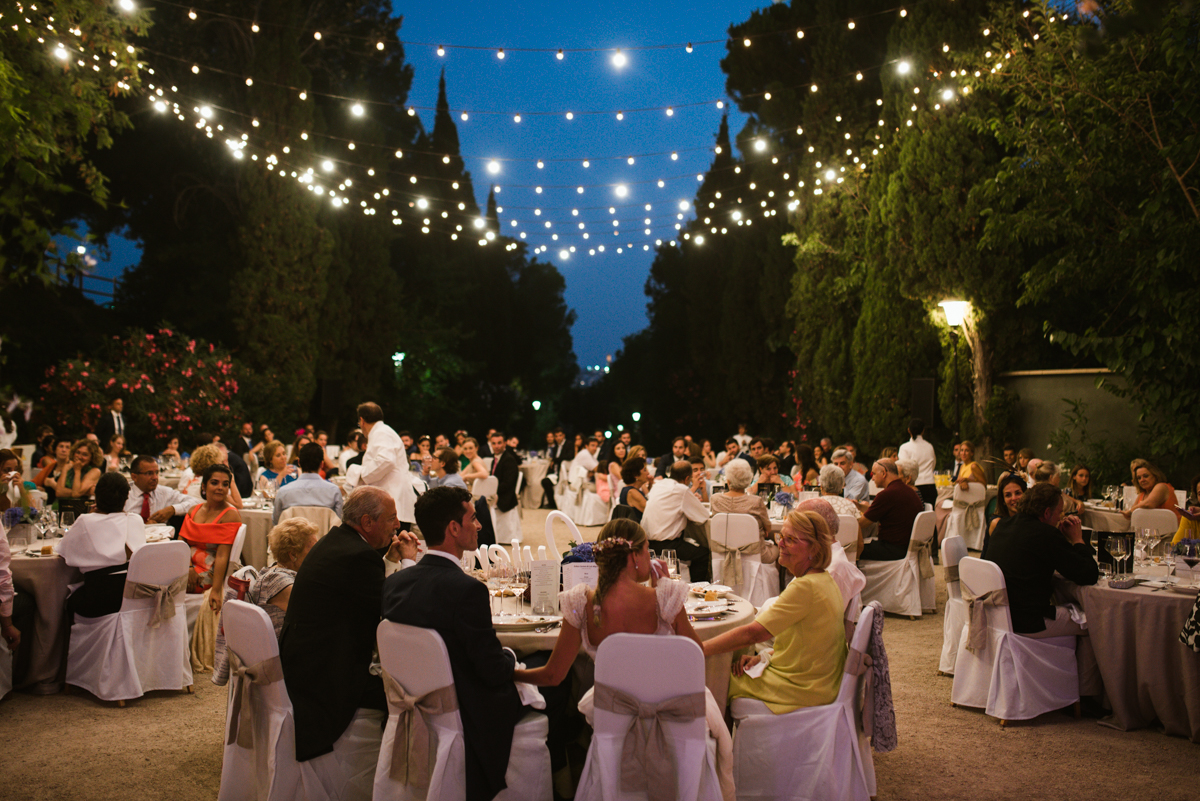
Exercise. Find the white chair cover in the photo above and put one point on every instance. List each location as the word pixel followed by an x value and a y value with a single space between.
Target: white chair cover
pixel 507 525
pixel 955 616
pixel 816 753
pixel 485 487
pixel 847 535
pixel 117 657
pixel 322 517
pixel 733 532
pixel 905 586
pixel 652 669
pixel 267 771
pixel 417 659
pixel 968 515
pixel 585 508
pixel 554 551
pixel 1011 677
pixel 1161 520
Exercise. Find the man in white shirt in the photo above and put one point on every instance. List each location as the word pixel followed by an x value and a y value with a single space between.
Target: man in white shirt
pixel 587 458
pixel 309 489
pixel 921 452
pixel 385 464
pixel 669 507
pixel 353 448
pixel 856 485
pixel 149 501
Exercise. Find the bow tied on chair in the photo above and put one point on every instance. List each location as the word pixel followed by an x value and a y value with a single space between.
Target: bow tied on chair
pixel 164 596
pixel 951 572
pixel 972 522
pixel 859 663
pixel 731 566
pixel 977 615
pixel 410 748
pixel 647 758
pixel 241 716
pixel 924 551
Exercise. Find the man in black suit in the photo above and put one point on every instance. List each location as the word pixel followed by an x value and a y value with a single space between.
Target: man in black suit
pixel 555 455
pixel 328 634
pixel 436 594
pixel 506 468
pixel 111 423
pixel 241 471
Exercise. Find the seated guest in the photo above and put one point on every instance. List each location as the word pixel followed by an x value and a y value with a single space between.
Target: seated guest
pixel 290 542
pixel 1081 483
pixel 436 594
pixel 278 469
pixel 79 478
pixel 636 476
pixel 1010 491
pixel 786 453
pixel 894 509
pixel 855 485
pixel 329 467
pixel 54 465
pixel 242 480
pixel 100 546
pixel 445 470
pixel 587 458
pixel 116 449
pixel 670 505
pixel 908 474
pixel 769 476
pixel 210 530
pixel 11 485
pixel 309 489
pixel 1154 491
pixel 1050 473
pixel 328 639
pixel 846 574
pixel 356 443
pixel 679 452
pixel 806 622
pixel 171 452
pixel 732 448
pixel 475 468
pixel 699 478
pixel 833 483
pixel 971 470
pixel 734 500
pixel 151 502
pixel 708 455
pixel 43 454
pixel 611 467
pixel 1029 547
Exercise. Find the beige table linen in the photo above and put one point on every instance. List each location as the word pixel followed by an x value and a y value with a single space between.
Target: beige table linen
pixel 534 471
pixel 1147 672
pixel 1103 519
pixel 258 526
pixel 46 579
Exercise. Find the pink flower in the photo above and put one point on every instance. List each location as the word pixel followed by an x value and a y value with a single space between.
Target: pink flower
pixel 124 386
pixel 84 374
pixel 149 337
pixel 111 381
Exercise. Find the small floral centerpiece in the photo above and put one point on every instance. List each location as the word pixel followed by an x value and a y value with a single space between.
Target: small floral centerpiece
pixel 785 500
pixel 580 552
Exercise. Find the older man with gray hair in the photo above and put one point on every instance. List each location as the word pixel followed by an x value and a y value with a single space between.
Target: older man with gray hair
pixel 894 509
pixel 856 485
pixel 328 637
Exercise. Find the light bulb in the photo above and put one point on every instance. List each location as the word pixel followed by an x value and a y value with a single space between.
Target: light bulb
pixel 621 190
pixel 689 47
pixel 441 51
pixel 493 167
pixel 500 54
pixel 560 54
pixel 357 110
pixel 760 145
pixel 903 67
pixel 619 59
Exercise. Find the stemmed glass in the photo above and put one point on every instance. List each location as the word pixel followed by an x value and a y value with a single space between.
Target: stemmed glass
pixel 68 520
pixel 1116 549
pixel 672 561
pixel 520 580
pixel 1169 559
pixel 1188 553
pixel 269 489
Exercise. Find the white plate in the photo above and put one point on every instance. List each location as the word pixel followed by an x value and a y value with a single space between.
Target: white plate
pixel 700 587
pixel 523 622
pixel 696 608
pixel 1184 590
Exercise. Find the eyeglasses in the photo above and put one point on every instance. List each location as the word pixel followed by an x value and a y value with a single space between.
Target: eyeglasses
pixel 146 473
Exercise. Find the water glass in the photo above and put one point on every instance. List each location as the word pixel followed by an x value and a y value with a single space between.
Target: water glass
pixel 68 520
pixel 672 562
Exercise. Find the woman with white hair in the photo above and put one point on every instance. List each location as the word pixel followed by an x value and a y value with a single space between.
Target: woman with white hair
pixel 833 481
pixel 908 471
pixel 735 500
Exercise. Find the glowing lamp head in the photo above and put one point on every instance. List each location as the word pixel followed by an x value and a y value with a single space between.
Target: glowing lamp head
pixel 903 68
pixel 637 416
pixel 956 311
pixel 357 110
pixel 619 60
pixel 493 167
pixel 621 191
pixel 830 175
pixel 479 222
pixel 327 165
pixel 760 145
pixel 422 203
pixel 537 405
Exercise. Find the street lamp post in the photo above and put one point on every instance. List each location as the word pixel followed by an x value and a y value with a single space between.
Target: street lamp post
pixel 956 312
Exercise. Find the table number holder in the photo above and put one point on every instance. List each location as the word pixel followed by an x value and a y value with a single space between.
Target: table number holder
pixel 543 586
pixel 580 573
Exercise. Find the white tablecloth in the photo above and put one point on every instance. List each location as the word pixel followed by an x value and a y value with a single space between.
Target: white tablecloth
pixel 534 471
pixel 258 526
pixel 1103 519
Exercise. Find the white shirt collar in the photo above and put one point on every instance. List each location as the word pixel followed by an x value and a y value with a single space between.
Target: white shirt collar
pixel 442 554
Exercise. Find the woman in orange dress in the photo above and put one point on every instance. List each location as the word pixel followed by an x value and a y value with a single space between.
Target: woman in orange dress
pixel 210 530
pixel 1156 492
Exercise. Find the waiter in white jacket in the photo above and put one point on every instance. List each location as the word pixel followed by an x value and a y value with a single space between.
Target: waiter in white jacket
pixel 385 464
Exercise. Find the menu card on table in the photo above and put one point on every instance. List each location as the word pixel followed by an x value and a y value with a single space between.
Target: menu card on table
pixel 580 573
pixel 543 586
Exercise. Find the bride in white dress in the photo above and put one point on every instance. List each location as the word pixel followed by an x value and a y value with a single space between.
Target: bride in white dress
pixel 621 603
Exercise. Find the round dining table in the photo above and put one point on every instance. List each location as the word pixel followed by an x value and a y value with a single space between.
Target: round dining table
pixel 1148 673
pixel 716 668
pixel 1100 518
pixel 258 526
pixel 46 579
pixel 534 470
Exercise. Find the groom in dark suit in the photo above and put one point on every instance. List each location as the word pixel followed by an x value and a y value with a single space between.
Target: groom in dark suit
pixel 436 594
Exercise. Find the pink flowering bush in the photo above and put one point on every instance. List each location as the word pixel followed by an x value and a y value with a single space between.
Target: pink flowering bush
pixel 171 385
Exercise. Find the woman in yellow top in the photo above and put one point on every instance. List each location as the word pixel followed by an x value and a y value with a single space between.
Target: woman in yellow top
pixel 806 622
pixel 971 470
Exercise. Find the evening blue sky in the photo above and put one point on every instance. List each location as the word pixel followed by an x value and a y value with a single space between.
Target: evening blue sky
pixel 606 290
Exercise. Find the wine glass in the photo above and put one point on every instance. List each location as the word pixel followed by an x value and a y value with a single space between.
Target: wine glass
pixel 1169 559
pixel 68 520
pixel 1115 545
pixel 1190 556
pixel 520 580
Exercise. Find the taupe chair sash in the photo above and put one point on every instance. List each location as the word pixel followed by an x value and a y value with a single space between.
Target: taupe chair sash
pixel 410 748
pixel 164 596
pixel 241 716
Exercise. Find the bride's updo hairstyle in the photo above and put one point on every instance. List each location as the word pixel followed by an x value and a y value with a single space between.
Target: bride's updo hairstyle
pixel 618 539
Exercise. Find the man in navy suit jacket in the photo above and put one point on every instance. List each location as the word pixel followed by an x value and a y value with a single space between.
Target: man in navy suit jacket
pixel 436 594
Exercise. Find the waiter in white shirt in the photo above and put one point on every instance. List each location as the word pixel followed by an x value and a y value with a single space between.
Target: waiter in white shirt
pixel 670 506
pixel 385 464
pixel 919 451
pixel 149 501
